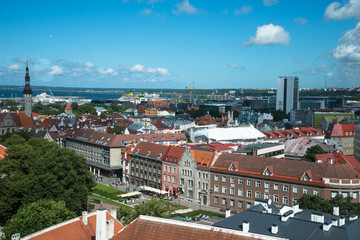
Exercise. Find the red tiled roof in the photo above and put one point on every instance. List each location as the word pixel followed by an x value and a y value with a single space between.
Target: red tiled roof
pixel 203 159
pixel 153 228
pixel 151 150
pixel 291 170
pixel 344 129
pixel 2 151
pixel 174 154
pixel 68 107
pixel 74 229
pixel 338 158
pixel 293 133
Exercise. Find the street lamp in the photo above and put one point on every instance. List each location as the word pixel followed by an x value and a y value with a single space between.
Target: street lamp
pixel 203 192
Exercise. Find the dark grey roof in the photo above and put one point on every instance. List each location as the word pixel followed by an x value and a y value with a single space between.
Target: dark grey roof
pixel 257 146
pixel 298 227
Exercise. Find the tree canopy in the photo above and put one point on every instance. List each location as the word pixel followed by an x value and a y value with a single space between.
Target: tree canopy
pixel 37 216
pixel 37 169
pixel 346 206
pixel 156 208
pixel 311 151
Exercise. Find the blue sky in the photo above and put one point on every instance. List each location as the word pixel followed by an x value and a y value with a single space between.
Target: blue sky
pixel 172 43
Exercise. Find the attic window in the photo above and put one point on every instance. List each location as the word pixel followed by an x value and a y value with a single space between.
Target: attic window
pixel 137 151
pixel 108 139
pixel 148 153
pixel 160 154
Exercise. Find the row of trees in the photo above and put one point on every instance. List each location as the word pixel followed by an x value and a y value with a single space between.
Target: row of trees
pixel 346 206
pixel 37 173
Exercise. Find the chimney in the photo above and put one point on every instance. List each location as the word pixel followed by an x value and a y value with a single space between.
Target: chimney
pixel 85 217
pixel 286 215
pixel 342 220
pixel 245 227
pixel 353 217
pixel 327 225
pixel 315 217
pixel 274 229
pixel 113 213
pixel 109 228
pixel 336 210
pixel 227 213
pixel 296 207
pixel 101 223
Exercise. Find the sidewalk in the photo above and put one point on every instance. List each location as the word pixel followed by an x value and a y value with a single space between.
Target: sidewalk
pixel 193 205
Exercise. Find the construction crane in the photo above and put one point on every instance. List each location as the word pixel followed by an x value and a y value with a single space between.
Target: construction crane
pixel 192 87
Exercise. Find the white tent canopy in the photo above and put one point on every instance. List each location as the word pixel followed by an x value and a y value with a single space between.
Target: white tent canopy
pixel 130 194
pixel 154 190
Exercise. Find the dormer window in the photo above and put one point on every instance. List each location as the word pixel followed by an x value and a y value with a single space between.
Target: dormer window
pixel 148 153
pixel 137 151
pixel 159 156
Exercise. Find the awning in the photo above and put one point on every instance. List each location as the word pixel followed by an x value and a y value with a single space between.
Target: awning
pixel 154 190
pixel 130 194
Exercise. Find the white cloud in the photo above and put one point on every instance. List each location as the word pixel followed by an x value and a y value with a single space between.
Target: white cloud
pixel 89 64
pixel 146 11
pixel 137 68
pixel 236 66
pixel 158 71
pixel 337 11
pixel 301 21
pixel 243 10
pixel 268 3
pixel 185 7
pixel 14 67
pixel 349 48
pixel 269 35
pixel 109 71
pixel 56 70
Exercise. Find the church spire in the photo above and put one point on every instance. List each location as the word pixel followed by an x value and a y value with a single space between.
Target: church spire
pixel 27 93
pixel 27 88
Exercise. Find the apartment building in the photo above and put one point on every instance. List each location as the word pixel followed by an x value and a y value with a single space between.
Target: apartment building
pixel 146 164
pixel 237 180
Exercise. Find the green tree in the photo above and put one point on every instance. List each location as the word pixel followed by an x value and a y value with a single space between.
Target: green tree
pixel 37 216
pixel 156 208
pixel 74 106
pixel 38 169
pixel 311 151
pixel 115 130
pixel 87 108
pixel 22 134
pixel 346 206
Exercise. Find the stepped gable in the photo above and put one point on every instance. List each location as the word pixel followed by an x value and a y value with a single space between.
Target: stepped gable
pixel 291 170
pixel 20 119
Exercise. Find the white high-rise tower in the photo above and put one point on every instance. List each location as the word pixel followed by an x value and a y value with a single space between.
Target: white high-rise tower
pixel 287 95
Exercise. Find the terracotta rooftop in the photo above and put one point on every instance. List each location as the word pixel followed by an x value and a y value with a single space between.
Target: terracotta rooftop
pixel 154 228
pixel 293 133
pixel 68 107
pixel 152 150
pixel 203 159
pixel 291 170
pixel 337 157
pixel 2 151
pixel 20 119
pixel 73 229
pixel 174 154
pixel 344 130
